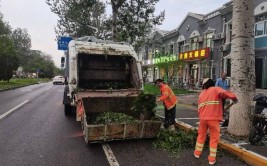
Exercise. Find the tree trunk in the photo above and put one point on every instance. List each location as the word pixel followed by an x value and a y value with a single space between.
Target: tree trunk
pixel 114 22
pixel 116 4
pixel 242 67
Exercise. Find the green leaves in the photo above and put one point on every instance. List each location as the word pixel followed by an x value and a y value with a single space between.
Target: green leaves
pixel 176 141
pixel 113 117
pixel 76 18
pixel 145 103
pixel 136 20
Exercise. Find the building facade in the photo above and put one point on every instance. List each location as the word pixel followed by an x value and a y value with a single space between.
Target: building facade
pixel 201 47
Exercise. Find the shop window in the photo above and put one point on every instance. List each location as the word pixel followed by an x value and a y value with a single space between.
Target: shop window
pixel 259 29
pixel 205 70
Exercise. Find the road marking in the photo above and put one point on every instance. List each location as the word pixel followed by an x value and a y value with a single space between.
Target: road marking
pixel 110 156
pixel 13 109
pixel 26 90
pixel 48 88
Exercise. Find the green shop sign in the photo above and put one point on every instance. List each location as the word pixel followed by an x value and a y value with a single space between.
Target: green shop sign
pixel 165 59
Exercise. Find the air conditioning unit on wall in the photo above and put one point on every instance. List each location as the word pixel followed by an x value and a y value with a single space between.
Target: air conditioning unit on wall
pixel 218 36
pixel 225 47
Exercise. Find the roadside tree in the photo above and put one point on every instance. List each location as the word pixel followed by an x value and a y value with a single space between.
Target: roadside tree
pixel 22 42
pixel 136 21
pixel 8 57
pixel 242 66
pixel 79 18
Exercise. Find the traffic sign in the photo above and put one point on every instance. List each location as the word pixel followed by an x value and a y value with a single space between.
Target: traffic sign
pixel 63 42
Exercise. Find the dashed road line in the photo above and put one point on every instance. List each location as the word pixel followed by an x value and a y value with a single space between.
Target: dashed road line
pixel 26 90
pixel 48 88
pixel 13 109
pixel 110 156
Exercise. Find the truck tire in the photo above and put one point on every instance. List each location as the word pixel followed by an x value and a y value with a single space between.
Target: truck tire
pixel 67 109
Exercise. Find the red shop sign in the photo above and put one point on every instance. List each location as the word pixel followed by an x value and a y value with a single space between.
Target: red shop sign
pixel 202 53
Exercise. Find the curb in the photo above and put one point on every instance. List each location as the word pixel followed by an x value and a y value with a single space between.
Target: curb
pixel 247 156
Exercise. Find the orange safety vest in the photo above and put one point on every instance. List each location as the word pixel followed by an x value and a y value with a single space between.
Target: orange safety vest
pixel 167 96
pixel 210 103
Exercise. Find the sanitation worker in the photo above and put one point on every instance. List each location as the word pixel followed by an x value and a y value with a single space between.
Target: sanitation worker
pixel 169 101
pixel 210 114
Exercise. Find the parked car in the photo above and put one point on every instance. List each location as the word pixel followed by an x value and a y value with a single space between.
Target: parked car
pixel 58 80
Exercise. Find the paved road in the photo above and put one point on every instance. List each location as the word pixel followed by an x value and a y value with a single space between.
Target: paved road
pixel 38 133
pixel 187 113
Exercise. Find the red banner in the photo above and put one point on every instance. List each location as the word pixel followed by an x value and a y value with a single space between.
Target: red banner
pixel 202 53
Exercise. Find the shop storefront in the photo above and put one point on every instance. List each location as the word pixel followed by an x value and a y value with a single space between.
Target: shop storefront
pixel 197 65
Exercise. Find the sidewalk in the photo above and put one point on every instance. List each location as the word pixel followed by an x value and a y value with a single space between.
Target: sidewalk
pixel 251 154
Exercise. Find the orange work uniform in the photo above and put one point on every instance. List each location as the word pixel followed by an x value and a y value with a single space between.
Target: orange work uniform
pixel 210 114
pixel 167 96
pixel 169 101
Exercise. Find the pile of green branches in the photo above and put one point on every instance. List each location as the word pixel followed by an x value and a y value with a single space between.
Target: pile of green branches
pixel 175 142
pixel 113 117
pixel 145 103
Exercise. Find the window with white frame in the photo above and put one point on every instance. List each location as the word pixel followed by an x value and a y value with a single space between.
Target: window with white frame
pixel 171 49
pixel 260 28
pixel 193 45
pixel 181 46
pixel 186 47
pixel 208 40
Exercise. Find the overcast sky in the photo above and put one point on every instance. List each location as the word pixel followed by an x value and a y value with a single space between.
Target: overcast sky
pixel 36 17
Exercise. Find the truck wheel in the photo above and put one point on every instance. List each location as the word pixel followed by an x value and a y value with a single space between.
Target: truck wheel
pixel 67 109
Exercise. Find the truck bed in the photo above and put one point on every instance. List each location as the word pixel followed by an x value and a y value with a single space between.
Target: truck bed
pixel 93 106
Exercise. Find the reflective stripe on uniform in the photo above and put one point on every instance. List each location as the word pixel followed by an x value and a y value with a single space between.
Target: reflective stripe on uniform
pixel 213 152
pixel 208 103
pixel 199 147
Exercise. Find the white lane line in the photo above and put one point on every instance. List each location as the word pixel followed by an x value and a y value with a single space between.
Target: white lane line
pixel 48 88
pixel 110 156
pixel 13 109
pixel 26 90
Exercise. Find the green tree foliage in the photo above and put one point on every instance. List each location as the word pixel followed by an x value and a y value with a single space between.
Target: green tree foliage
pixel 136 19
pixel 131 20
pixel 22 41
pixel 43 63
pixel 8 57
pixel 79 18
pixel 116 5
pixel 15 51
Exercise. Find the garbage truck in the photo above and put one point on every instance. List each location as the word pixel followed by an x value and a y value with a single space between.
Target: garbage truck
pixel 105 76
